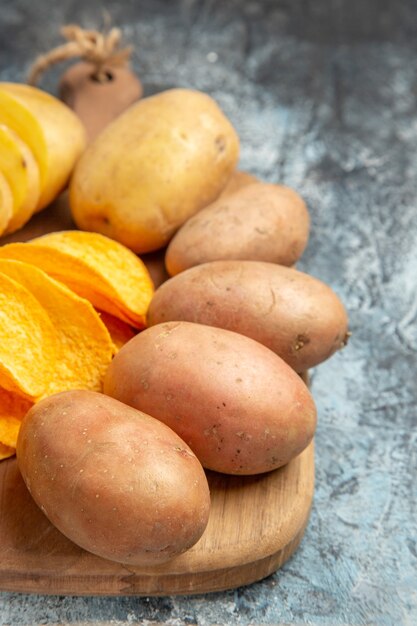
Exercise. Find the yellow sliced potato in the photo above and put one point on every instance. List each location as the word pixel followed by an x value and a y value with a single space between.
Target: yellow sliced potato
pixel 19 118
pixel 50 129
pixel 6 203
pixel 22 173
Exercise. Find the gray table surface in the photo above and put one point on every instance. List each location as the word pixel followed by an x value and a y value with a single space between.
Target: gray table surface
pixel 324 96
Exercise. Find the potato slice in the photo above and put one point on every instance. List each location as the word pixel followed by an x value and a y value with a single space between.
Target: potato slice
pixel 6 203
pixel 22 173
pixel 95 267
pixel 84 348
pixel 51 130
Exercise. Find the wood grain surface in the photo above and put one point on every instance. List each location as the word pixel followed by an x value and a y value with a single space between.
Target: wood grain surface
pixel 256 523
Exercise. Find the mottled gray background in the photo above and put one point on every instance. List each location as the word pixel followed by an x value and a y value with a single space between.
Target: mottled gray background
pixel 324 97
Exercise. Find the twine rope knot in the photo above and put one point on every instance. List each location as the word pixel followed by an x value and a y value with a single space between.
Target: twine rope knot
pixel 102 50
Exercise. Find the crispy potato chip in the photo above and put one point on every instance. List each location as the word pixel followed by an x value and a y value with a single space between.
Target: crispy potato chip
pixel 84 348
pixel 120 332
pixel 61 267
pixel 13 408
pixel 27 341
pixel 9 429
pixel 124 279
pixel 95 267
pixel 6 452
pixel 13 405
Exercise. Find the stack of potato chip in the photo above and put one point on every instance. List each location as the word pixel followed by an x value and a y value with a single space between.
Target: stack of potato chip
pixel 68 302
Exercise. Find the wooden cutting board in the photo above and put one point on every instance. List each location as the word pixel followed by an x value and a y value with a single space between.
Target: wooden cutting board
pixel 255 525
pixel 256 522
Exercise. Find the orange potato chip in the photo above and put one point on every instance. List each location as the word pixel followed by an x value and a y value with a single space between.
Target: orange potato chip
pixel 83 347
pixel 65 269
pixel 120 332
pixel 95 267
pixel 13 408
pixel 9 429
pixel 6 452
pixel 27 341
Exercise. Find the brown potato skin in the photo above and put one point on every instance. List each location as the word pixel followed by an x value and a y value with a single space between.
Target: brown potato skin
pixel 296 315
pixel 155 264
pixel 238 180
pixel 239 407
pixel 259 222
pixel 115 481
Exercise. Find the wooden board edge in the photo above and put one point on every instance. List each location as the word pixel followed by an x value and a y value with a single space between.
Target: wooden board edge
pixel 148 585
pixel 135 583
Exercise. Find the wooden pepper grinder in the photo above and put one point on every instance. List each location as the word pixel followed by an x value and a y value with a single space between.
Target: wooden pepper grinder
pixel 101 85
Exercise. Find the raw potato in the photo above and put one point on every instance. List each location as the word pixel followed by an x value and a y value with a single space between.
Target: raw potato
pixel 259 222
pixel 296 315
pixel 239 407
pixel 160 162
pixel 155 263
pixel 115 481
pixel 237 181
pixel 22 173
pixel 50 129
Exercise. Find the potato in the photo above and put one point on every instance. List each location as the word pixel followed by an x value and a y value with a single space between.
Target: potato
pixel 155 264
pixel 297 316
pixel 51 130
pixel 160 162
pixel 115 481
pixel 237 181
pixel 259 222
pixel 18 165
pixel 239 407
